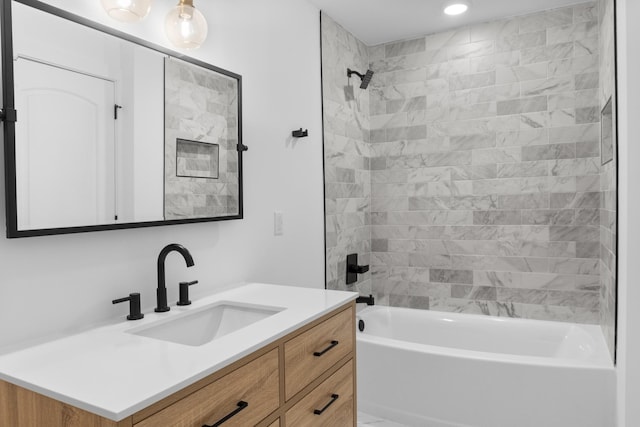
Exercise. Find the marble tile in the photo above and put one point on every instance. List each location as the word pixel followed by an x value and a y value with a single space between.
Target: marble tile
pixel 519 201
pixel 523 169
pixel 451 276
pixel 470 142
pixel 574 233
pixel 548 152
pixel 469 172
pixel 523 137
pixel 573 32
pixel 587 115
pixel 587 46
pixel 575 167
pixel 583 132
pixel 547 53
pixel 448 38
pixel 575 200
pixel 497 155
pixel 523 105
pixel 586 12
pixel 497 217
pixel 587 81
pixel 487 293
pixel 471 50
pixel 470 81
pixel 548 217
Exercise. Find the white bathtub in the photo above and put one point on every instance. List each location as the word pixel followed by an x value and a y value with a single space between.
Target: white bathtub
pixel 432 369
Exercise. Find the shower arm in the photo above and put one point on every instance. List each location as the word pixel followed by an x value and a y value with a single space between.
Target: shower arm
pixel 351 72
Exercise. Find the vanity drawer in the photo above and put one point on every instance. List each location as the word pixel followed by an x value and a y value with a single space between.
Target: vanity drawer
pixel 311 353
pixel 334 395
pixel 256 383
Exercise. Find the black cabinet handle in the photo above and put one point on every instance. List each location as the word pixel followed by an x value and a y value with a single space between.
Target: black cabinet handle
pixel 334 397
pixel 241 405
pixel 320 353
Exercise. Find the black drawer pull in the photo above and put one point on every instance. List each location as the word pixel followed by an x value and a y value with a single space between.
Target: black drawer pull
pixel 334 397
pixel 241 405
pixel 320 353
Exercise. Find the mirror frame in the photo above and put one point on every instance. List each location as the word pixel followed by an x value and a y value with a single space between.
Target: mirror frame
pixel 8 117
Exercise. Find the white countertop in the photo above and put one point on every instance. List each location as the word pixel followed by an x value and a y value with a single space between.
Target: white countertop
pixel 115 374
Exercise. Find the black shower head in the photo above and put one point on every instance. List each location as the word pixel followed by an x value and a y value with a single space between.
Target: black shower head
pixel 365 78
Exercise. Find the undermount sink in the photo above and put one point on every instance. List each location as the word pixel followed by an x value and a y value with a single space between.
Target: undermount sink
pixel 203 325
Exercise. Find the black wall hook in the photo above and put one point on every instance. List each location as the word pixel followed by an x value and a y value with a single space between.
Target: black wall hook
pixel 300 133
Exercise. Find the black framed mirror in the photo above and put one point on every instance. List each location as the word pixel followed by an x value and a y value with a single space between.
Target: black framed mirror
pixel 106 131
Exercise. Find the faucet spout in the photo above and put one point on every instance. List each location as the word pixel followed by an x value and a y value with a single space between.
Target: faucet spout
pixel 162 288
pixel 367 300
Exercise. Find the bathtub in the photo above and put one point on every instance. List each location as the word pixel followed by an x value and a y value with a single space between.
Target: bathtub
pixel 433 369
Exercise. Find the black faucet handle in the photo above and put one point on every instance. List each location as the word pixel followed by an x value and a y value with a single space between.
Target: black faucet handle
pixel 134 306
pixel 353 268
pixel 184 292
pixel 358 269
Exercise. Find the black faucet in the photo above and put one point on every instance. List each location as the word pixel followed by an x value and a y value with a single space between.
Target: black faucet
pixel 368 300
pixel 162 289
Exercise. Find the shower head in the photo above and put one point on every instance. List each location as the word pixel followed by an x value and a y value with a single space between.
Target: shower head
pixel 364 78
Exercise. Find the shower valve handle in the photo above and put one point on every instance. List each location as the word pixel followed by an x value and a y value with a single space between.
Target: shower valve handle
pixel 358 269
pixel 353 269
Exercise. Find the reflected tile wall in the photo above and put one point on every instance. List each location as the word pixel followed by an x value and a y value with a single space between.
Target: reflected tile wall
pixel 485 168
pixel 346 151
pixel 200 105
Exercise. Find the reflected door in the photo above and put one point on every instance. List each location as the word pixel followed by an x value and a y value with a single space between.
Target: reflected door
pixel 65 143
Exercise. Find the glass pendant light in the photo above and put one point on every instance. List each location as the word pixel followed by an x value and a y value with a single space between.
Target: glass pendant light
pixel 185 26
pixel 127 10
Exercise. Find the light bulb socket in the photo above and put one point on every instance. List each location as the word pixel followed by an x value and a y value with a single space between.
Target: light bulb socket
pixel 186 3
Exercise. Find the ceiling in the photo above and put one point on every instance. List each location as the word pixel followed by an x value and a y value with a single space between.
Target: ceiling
pixel 381 21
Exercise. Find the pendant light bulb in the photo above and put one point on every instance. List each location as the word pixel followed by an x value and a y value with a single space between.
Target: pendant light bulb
pixel 127 10
pixel 185 26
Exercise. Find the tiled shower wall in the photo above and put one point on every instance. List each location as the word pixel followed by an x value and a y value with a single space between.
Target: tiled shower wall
pixel 346 151
pixel 608 182
pixel 485 167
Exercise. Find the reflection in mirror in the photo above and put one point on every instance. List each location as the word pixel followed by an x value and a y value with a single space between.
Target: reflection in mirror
pixel 113 133
pixel 75 161
pixel 201 135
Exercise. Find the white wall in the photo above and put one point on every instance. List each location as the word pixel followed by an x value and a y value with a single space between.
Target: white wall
pixel 63 284
pixel 628 369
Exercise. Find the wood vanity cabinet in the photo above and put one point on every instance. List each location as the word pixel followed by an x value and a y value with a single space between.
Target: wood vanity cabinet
pixel 306 378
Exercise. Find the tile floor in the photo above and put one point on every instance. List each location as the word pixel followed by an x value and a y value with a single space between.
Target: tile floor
pixel 366 420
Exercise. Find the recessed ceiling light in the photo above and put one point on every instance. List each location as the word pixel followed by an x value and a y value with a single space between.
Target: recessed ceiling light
pixel 456 7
